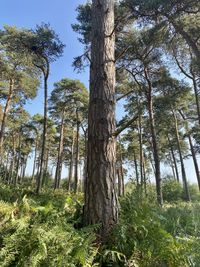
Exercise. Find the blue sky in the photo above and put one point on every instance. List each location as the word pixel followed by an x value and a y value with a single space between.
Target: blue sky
pixel 60 14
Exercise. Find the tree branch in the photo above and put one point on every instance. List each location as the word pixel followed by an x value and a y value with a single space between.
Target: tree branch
pixel 125 126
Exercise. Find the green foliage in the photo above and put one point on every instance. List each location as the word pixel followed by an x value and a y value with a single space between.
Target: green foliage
pixel 141 236
pixel 150 236
pixel 39 231
pixel 42 231
pixel 172 190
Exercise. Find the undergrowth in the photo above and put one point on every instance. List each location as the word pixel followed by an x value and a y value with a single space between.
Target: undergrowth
pixel 42 231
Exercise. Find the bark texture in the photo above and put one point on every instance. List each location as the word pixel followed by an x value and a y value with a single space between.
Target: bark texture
pixel 101 204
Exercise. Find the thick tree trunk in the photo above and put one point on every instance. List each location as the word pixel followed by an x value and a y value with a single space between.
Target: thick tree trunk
pixel 184 178
pixel 60 154
pixel 154 140
pixel 101 204
pixel 5 113
pixel 44 137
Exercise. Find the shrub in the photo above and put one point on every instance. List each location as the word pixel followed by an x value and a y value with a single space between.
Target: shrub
pixel 172 190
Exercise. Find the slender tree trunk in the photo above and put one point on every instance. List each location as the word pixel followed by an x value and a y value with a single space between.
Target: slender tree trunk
pixel 12 168
pixel 18 159
pixel 76 178
pixel 154 139
pixel 172 167
pixel 45 168
pixel 121 169
pixel 196 166
pixel 119 185
pixel 17 167
pixel 21 172
pixel 123 182
pixel 35 159
pixel 5 113
pixel 6 166
pixel 71 163
pixel 145 177
pixel 60 154
pixel 141 150
pixel 184 178
pixel 136 168
pixel 85 161
pixel 101 204
pixel 196 93
pixel 44 137
pixel 24 167
pixel 174 159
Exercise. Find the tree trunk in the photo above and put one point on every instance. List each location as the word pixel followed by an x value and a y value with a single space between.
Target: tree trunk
pixel 77 154
pixel 44 137
pixel 196 96
pixel 136 168
pixel 85 162
pixel 121 169
pixel 71 163
pixel 60 154
pixel 5 113
pixel 24 167
pixel 45 167
pixel 174 159
pixel 12 167
pixel 101 204
pixel 145 177
pixel 141 150
pixel 119 184
pixel 35 159
pixel 184 178
pixel 154 141
pixel 18 159
pixel 196 166
pixel 172 167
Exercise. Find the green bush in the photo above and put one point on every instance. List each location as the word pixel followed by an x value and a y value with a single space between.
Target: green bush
pixel 141 237
pixel 172 190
